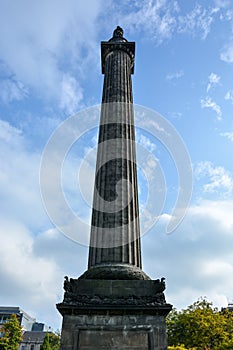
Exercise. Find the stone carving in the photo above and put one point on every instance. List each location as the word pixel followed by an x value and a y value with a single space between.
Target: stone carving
pixel 118 32
pixel 132 300
pixel 74 297
pixel 118 37
pixel 67 285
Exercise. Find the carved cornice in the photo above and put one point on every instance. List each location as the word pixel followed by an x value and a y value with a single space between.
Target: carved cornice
pixel 108 47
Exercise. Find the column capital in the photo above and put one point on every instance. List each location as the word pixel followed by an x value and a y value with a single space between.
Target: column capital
pixel 109 46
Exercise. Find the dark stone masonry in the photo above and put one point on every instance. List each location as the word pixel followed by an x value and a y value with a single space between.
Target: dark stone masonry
pixel 114 304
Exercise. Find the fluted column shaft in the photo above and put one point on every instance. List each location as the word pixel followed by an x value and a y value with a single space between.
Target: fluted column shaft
pixel 115 232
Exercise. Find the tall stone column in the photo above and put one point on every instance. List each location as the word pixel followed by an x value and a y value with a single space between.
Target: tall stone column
pixel 115 231
pixel 114 304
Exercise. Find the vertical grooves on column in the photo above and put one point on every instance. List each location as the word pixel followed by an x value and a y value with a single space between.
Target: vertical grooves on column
pixel 116 99
pixel 117 80
pixel 127 252
pixel 110 69
pixel 124 122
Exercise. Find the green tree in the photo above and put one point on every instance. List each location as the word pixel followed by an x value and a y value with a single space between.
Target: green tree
pixel 178 347
pixel 54 340
pixel 51 341
pixel 46 343
pixel 200 327
pixel 11 334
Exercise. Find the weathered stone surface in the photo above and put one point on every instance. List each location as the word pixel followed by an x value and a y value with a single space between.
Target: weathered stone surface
pixel 122 244
pixel 115 272
pixel 111 332
pixel 114 294
pixel 110 339
pixel 114 314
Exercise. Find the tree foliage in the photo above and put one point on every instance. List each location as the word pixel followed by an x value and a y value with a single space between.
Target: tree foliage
pixel 200 327
pixel 46 344
pixel 11 334
pixel 178 347
pixel 51 341
pixel 54 340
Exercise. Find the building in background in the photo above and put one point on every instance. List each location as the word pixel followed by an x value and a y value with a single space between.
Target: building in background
pixel 25 320
pixel 32 340
pixel 40 327
pixel 229 307
pixel 33 332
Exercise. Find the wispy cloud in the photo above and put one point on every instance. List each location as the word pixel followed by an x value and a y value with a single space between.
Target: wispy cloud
pixel 197 21
pixel 155 18
pixel 222 3
pixel 213 80
pixel 175 115
pixel 11 90
pixel 226 54
pixel 145 142
pixel 228 135
pixel 159 20
pixel 209 103
pixel 174 76
pixel 71 94
pixel 219 179
pixel 229 96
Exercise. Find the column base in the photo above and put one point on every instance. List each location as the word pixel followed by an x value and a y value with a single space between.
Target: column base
pixel 115 272
pixel 114 314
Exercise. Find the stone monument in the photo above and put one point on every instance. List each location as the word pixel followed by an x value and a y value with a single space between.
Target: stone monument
pixel 114 304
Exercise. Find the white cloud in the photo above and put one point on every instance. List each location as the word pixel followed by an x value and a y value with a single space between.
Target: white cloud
pixel 222 3
pixel 32 264
pixel 173 76
pixel 209 103
pixel 213 80
pixel 229 96
pixel 46 40
pixel 199 251
pixel 229 135
pixel 155 19
pixel 11 90
pixel 219 179
pixel 9 134
pixel 229 15
pixel 145 142
pixel 71 94
pixel 226 54
pixel 160 20
pixel 33 277
pixel 150 165
pixel 197 21
pixel 175 115
pixel 32 269
pixel 19 178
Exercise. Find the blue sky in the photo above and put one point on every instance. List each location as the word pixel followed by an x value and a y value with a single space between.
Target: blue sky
pixel 49 70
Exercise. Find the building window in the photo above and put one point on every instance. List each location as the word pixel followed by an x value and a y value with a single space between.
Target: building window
pixel 32 347
pixel 4 318
pixel 23 347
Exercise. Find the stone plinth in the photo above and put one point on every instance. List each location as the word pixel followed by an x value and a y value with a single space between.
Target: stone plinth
pixel 114 314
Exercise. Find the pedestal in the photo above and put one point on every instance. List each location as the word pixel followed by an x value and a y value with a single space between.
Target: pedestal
pixel 114 314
